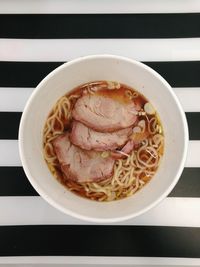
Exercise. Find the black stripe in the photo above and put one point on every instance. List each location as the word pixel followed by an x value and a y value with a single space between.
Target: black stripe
pixel 29 74
pixel 100 25
pixel 24 74
pixel 10 124
pixel 188 184
pixel 193 119
pixel 178 73
pixel 62 240
pixel 13 182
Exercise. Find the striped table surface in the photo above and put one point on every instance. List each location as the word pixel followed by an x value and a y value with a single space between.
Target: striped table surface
pixel 38 36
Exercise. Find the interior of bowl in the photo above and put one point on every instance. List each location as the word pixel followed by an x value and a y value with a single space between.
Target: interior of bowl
pixel 87 69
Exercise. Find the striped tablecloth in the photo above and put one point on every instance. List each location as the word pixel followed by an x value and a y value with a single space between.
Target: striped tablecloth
pixel 35 38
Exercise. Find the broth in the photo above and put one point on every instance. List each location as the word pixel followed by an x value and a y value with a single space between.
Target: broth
pixel 132 170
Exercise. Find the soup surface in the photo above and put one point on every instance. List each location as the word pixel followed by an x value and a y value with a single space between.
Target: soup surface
pixel 103 140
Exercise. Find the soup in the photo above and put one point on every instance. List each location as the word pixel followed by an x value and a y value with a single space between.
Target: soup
pixel 103 140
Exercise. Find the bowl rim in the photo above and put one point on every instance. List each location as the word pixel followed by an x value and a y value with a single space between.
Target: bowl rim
pixel 48 198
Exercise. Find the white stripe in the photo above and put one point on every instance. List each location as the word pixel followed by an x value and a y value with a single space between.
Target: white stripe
pixel 67 49
pixel 193 159
pixel 34 210
pixel 79 261
pixel 189 98
pixel 91 6
pixel 9 155
pixel 14 98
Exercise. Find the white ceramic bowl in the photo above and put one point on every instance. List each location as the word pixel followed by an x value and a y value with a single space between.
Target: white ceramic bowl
pixel 103 67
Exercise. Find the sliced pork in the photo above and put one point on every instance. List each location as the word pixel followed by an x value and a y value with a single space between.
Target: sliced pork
pixel 89 139
pixel 79 165
pixel 104 114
